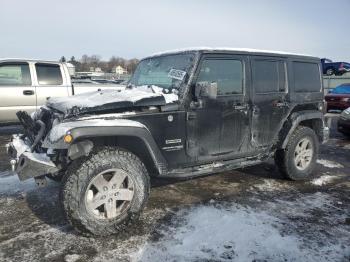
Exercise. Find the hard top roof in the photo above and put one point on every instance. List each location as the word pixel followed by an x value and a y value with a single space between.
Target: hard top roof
pixel 233 50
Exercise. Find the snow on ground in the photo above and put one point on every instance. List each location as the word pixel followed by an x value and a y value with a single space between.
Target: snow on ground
pixel 322 180
pixel 240 233
pixel 270 185
pixel 329 164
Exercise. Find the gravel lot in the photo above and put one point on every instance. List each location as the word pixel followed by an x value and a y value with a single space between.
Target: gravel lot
pixel 250 214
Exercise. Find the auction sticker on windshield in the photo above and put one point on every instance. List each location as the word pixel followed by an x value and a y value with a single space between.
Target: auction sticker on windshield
pixel 177 74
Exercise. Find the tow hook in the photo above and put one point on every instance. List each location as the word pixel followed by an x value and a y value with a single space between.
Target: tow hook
pixel 13 163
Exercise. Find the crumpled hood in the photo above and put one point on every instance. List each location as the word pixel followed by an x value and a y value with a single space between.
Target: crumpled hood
pixel 111 99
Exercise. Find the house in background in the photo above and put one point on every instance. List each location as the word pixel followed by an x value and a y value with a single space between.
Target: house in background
pixel 119 70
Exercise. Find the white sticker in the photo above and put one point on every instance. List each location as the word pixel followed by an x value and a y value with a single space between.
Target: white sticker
pixel 177 74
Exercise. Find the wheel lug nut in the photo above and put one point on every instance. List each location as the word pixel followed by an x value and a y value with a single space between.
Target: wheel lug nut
pixel 105 188
pixel 114 186
pixel 103 197
pixel 116 194
pixel 110 200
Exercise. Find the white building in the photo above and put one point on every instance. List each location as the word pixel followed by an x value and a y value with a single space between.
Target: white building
pixel 119 70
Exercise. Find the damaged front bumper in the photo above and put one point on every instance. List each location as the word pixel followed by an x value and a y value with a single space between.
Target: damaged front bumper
pixel 28 164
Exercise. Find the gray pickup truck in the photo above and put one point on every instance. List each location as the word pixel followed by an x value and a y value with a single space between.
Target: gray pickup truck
pixel 26 84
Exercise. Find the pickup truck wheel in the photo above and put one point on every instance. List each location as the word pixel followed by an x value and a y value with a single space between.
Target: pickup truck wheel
pixel 298 159
pixel 106 191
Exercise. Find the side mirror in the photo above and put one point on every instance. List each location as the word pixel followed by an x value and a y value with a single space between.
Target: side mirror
pixel 206 89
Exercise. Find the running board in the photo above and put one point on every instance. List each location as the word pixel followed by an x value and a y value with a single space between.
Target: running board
pixel 214 167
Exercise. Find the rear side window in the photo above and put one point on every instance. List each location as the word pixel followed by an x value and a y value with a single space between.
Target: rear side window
pixel 269 76
pixel 15 75
pixel 306 77
pixel 49 74
pixel 227 73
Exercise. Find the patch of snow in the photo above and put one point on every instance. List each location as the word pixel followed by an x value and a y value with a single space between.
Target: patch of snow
pixel 323 180
pixel 270 185
pixel 105 97
pixel 169 97
pixel 72 258
pixel 93 99
pixel 329 164
pixel 236 233
pixel 247 50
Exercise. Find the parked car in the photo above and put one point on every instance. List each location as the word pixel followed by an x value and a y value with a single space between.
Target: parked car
pixel 183 114
pixel 334 68
pixel 344 122
pixel 338 98
pixel 26 85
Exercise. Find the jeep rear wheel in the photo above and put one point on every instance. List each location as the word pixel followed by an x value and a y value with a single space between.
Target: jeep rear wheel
pixel 106 191
pixel 298 159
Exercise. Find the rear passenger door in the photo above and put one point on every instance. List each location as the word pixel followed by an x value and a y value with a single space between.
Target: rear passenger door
pixel 269 98
pixel 16 90
pixel 51 82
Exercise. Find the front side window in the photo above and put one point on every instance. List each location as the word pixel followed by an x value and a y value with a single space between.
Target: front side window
pixel 226 73
pixel 49 74
pixel 268 76
pixel 167 72
pixel 15 75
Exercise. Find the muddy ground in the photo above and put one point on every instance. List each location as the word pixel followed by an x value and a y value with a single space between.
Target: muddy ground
pixel 251 214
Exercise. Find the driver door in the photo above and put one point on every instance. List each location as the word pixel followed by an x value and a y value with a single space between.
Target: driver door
pixel 219 128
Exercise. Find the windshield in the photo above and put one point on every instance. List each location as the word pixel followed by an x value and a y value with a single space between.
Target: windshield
pixel 167 72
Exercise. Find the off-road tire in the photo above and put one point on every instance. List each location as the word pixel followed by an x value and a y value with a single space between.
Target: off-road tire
pixel 76 182
pixel 284 159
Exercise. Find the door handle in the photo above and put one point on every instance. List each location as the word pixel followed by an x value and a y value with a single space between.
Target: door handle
pixel 279 103
pixel 239 107
pixel 28 92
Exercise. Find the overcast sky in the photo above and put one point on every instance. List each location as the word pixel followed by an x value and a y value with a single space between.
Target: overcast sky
pixel 49 29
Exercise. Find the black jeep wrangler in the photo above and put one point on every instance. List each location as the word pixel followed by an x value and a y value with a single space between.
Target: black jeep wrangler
pixel 183 114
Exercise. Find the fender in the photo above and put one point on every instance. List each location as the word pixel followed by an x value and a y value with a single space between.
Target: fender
pixel 101 128
pixel 297 117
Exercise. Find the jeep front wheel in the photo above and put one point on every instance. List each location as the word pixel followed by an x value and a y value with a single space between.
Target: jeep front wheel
pixel 298 159
pixel 105 192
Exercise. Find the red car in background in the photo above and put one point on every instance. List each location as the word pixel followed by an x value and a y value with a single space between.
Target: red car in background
pixel 338 98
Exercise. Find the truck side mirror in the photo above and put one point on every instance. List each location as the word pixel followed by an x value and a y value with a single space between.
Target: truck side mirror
pixel 206 89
